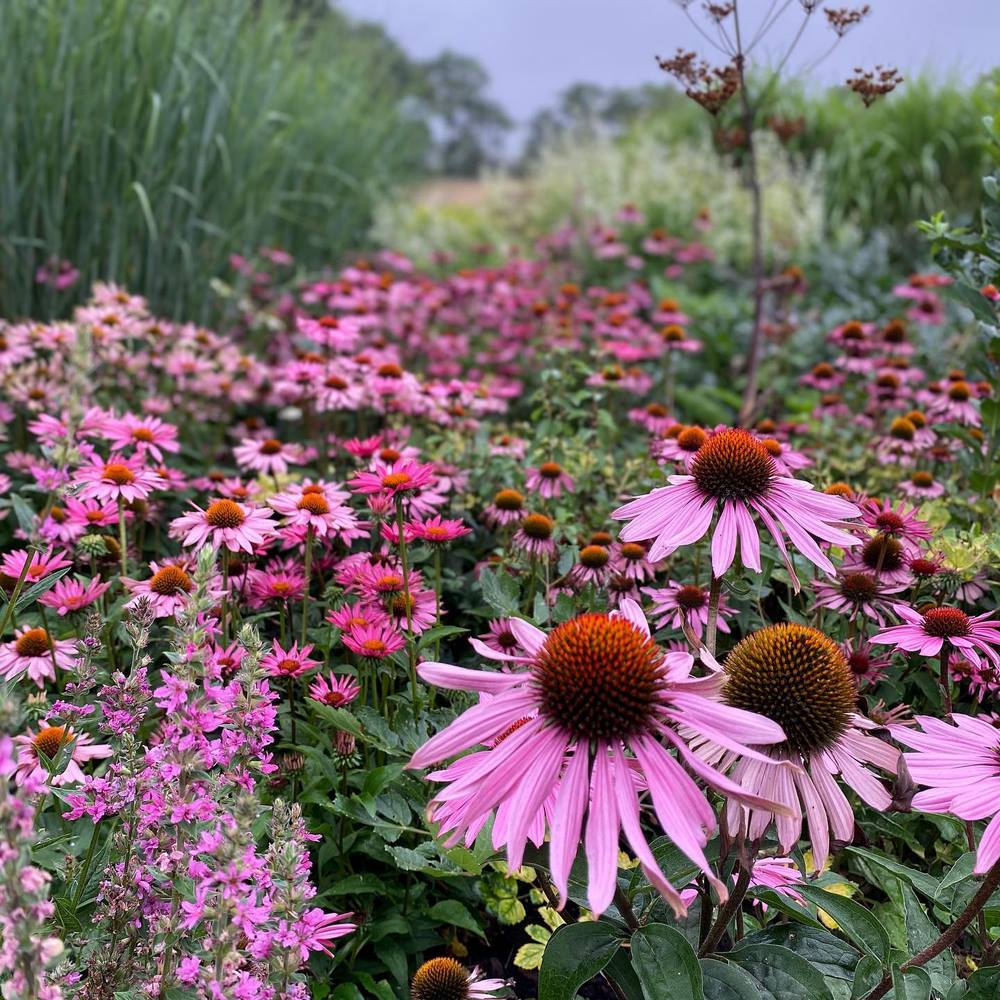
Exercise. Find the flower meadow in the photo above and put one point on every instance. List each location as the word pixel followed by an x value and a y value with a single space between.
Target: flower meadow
pixel 444 633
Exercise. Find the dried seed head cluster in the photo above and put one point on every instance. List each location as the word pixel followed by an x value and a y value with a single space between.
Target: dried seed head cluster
pixel 710 87
pixel 842 19
pixel 870 84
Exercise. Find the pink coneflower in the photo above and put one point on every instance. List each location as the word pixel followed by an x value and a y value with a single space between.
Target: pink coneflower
pixel 58 274
pixel 857 594
pixel 54 741
pixel 549 480
pixel 926 633
pixel 167 589
pixel 922 486
pixel 278 583
pixel 779 874
pixel 824 377
pixel 118 479
pixel 786 459
pixel 402 477
pixel 680 604
pixel 595 688
pixel 734 471
pixel 445 978
pixel 374 642
pixel 507 508
pixel 799 678
pixel 899 521
pixel 507 444
pixel 418 613
pixel 654 417
pixel 866 665
pixel 675 338
pixel 73 594
pixel 955 405
pixel 534 537
pixel 293 662
pixel 268 455
pixel 883 556
pixel 40 566
pixel 146 434
pixel 318 507
pixel 336 690
pixel 437 530
pixel 363 448
pixel 500 639
pixel 592 566
pixel 957 764
pixel 631 559
pixel 682 447
pixel 90 514
pixel 315 930
pixel 225 524
pixel 34 653
pixel 358 615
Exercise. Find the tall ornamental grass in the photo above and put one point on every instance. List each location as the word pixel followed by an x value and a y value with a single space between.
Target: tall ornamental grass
pixel 146 140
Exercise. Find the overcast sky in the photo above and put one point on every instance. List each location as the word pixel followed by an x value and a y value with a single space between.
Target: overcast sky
pixel 535 48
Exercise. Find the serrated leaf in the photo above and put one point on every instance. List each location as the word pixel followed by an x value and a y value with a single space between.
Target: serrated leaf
pixel 665 964
pixel 574 955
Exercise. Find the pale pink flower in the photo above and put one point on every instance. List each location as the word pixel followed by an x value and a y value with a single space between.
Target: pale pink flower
pixel 120 478
pixel 225 524
pixel 549 480
pixel 73 594
pixel 53 741
pixel 926 633
pixel 35 654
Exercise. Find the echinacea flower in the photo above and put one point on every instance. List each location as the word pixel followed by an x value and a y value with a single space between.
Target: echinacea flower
pixel 734 471
pixel 402 477
pixel 779 874
pixel 534 536
pixel 417 613
pixel 357 615
pixel 447 979
pixel 336 690
pixel 799 678
pixel 36 654
pixel 147 434
pixel 507 508
pixel 316 507
pixel 73 594
pixel 437 530
pixel 593 689
pixel 866 665
pixel 927 632
pixel 225 524
pixel 52 741
pixel 922 485
pixel 549 480
pixel 857 593
pixel 315 930
pixel 956 763
pixel 293 662
pixel 121 479
pixel 592 566
pixel 40 565
pixel 167 589
pixel 680 604
pixel 374 642
pixel 268 455
pixel 897 521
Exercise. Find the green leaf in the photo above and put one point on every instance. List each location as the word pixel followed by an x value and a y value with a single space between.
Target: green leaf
pixel 726 982
pixel 574 955
pixel 922 882
pixel 439 632
pixel 666 964
pixel 913 984
pixel 867 976
pixel 66 914
pixel 500 591
pixel 984 984
pixel 451 911
pixel 854 920
pixel 834 957
pixel 780 974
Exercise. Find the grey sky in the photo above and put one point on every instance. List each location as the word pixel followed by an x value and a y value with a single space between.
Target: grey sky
pixel 535 48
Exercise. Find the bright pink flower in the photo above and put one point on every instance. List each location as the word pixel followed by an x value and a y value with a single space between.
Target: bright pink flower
pixel 336 690
pixel 224 524
pixel 735 472
pixel 402 477
pixel 437 530
pixel 357 615
pixel 956 763
pixel 293 662
pixel 146 434
pixel 898 521
pixel 53 741
pixel 569 719
pixel 168 588
pixel 534 536
pixel 374 642
pixel 34 653
pixel 72 594
pixel 857 594
pixel 423 609
pixel 927 633
pixel 40 566
pixel 315 931
pixel 119 479
pixel 319 507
